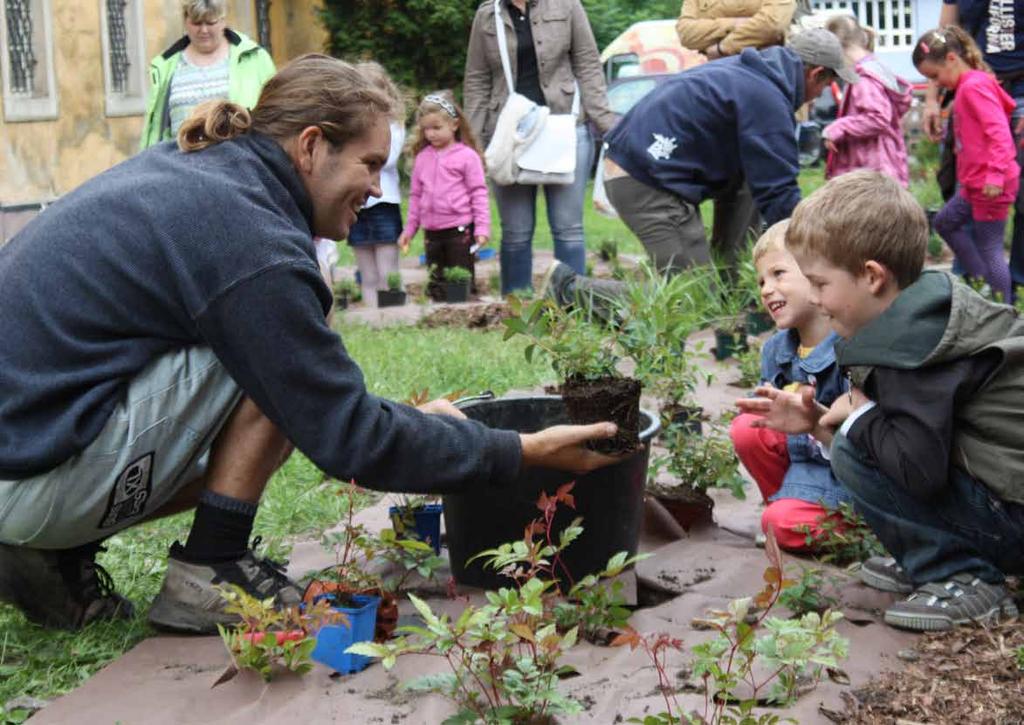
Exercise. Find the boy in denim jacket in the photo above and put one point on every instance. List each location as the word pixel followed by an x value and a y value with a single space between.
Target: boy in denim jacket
pixel 794 477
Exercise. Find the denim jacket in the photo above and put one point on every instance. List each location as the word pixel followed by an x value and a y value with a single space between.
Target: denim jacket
pixel 809 477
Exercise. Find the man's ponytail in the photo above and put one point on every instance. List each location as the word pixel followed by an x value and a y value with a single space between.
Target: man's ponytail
pixel 212 122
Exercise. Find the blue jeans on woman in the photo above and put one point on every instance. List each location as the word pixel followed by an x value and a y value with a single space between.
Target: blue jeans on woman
pixel 517 206
pixel 961 529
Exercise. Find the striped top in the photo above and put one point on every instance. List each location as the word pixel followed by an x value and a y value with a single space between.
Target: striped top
pixel 193 84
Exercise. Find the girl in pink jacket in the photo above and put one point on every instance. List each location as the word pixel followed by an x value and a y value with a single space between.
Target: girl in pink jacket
pixel 448 194
pixel 986 159
pixel 868 133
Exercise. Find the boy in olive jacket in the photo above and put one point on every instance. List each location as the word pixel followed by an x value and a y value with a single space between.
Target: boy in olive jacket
pixel 930 440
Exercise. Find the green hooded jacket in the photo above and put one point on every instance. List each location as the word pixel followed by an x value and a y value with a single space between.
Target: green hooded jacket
pixel 938 320
pixel 249 67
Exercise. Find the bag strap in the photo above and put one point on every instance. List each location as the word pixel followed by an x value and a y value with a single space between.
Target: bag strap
pixel 506 65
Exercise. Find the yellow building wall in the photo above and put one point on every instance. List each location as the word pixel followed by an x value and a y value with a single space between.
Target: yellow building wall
pixel 42 160
pixel 295 29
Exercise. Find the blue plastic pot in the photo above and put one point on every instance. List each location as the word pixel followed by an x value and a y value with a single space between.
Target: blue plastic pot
pixel 427 524
pixel 334 639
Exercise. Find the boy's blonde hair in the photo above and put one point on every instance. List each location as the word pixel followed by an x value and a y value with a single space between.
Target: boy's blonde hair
pixel 858 217
pixel 773 240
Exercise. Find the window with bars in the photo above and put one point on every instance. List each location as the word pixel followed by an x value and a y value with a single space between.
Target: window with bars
pixel 21 56
pixel 892 20
pixel 118 45
pixel 26 61
pixel 124 57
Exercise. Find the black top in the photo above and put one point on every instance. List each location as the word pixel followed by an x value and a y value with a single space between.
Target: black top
pixel 169 250
pixel 527 74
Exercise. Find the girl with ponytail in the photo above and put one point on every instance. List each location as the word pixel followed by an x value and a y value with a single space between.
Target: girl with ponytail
pixel 987 172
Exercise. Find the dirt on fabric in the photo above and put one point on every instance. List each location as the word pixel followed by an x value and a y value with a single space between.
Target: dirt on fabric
pixel 474 317
pixel 968 675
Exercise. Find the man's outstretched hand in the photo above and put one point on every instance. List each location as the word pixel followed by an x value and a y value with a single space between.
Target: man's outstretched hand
pixel 563 447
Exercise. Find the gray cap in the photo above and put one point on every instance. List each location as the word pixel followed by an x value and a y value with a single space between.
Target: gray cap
pixel 817 46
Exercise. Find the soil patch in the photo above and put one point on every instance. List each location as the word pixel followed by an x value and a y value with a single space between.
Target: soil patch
pixel 474 317
pixel 968 675
pixel 614 399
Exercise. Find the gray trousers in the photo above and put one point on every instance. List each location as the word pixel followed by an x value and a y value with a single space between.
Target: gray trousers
pixel 671 228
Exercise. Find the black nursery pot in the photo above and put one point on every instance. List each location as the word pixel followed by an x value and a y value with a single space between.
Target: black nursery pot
pixel 390 298
pixel 758 321
pixel 729 342
pixel 610 499
pixel 456 291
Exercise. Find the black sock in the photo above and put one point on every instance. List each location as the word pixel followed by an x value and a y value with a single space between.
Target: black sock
pixel 220 530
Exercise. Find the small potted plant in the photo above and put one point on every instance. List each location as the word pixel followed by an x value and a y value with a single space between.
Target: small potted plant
pixel 358 613
pixel 345 292
pixel 584 353
pixel 394 295
pixel 730 302
pixel 270 640
pixel 415 517
pixel 456 288
pixel 756 319
pixel 697 463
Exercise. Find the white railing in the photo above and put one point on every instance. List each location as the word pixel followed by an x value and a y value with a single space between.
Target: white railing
pixel 892 20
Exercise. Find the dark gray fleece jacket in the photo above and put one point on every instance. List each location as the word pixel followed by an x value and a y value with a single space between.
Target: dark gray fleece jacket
pixel 169 250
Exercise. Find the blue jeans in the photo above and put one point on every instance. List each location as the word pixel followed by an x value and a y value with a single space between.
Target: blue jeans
pixel 962 529
pixel 1017 240
pixel 517 206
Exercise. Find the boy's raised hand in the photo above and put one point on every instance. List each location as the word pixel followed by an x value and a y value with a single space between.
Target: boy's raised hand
pixel 783 411
pixel 842 407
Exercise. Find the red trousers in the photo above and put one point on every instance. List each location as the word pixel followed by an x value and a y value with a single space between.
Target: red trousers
pixel 763 453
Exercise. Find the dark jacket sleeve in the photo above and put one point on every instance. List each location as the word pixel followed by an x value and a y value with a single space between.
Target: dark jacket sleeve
pixel 270 333
pixel 909 432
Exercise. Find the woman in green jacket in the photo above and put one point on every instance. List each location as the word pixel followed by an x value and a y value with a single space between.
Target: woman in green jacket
pixel 210 62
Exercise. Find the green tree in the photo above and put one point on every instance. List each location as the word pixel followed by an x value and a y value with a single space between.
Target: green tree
pixel 422 43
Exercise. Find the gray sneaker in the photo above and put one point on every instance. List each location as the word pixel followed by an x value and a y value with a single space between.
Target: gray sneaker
pixel 190 600
pixel 64 588
pixel 557 283
pixel 942 605
pixel 884 574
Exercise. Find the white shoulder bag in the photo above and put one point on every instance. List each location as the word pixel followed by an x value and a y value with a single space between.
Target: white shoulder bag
pixel 530 144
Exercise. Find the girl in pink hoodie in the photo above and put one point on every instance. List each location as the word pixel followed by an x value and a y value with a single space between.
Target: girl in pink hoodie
pixel 448 193
pixel 867 133
pixel 986 160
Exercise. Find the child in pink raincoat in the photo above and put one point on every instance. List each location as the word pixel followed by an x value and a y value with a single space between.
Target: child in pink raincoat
pixel 986 158
pixel 868 133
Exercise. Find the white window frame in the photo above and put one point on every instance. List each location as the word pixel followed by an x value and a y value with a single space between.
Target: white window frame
pixel 42 106
pixel 132 103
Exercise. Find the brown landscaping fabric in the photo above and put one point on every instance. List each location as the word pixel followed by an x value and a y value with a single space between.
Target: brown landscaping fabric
pixel 169 679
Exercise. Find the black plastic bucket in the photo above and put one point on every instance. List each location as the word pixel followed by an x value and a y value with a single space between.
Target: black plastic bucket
pixel 610 499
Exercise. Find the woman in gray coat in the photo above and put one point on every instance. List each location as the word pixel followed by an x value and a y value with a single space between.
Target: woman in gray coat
pixel 552 51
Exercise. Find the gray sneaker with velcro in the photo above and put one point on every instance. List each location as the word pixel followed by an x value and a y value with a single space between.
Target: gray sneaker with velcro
pixel 940 606
pixel 884 574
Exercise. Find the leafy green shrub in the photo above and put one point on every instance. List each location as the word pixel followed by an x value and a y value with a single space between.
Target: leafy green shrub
pixel 804 594
pixel 702 462
pixel 750 365
pixel 577 346
pixel 842 537
pixel 505 656
pixel 786 649
pixel 395 281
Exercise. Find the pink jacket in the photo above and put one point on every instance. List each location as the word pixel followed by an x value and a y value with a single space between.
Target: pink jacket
pixel 867 132
pixel 985 153
pixel 448 190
